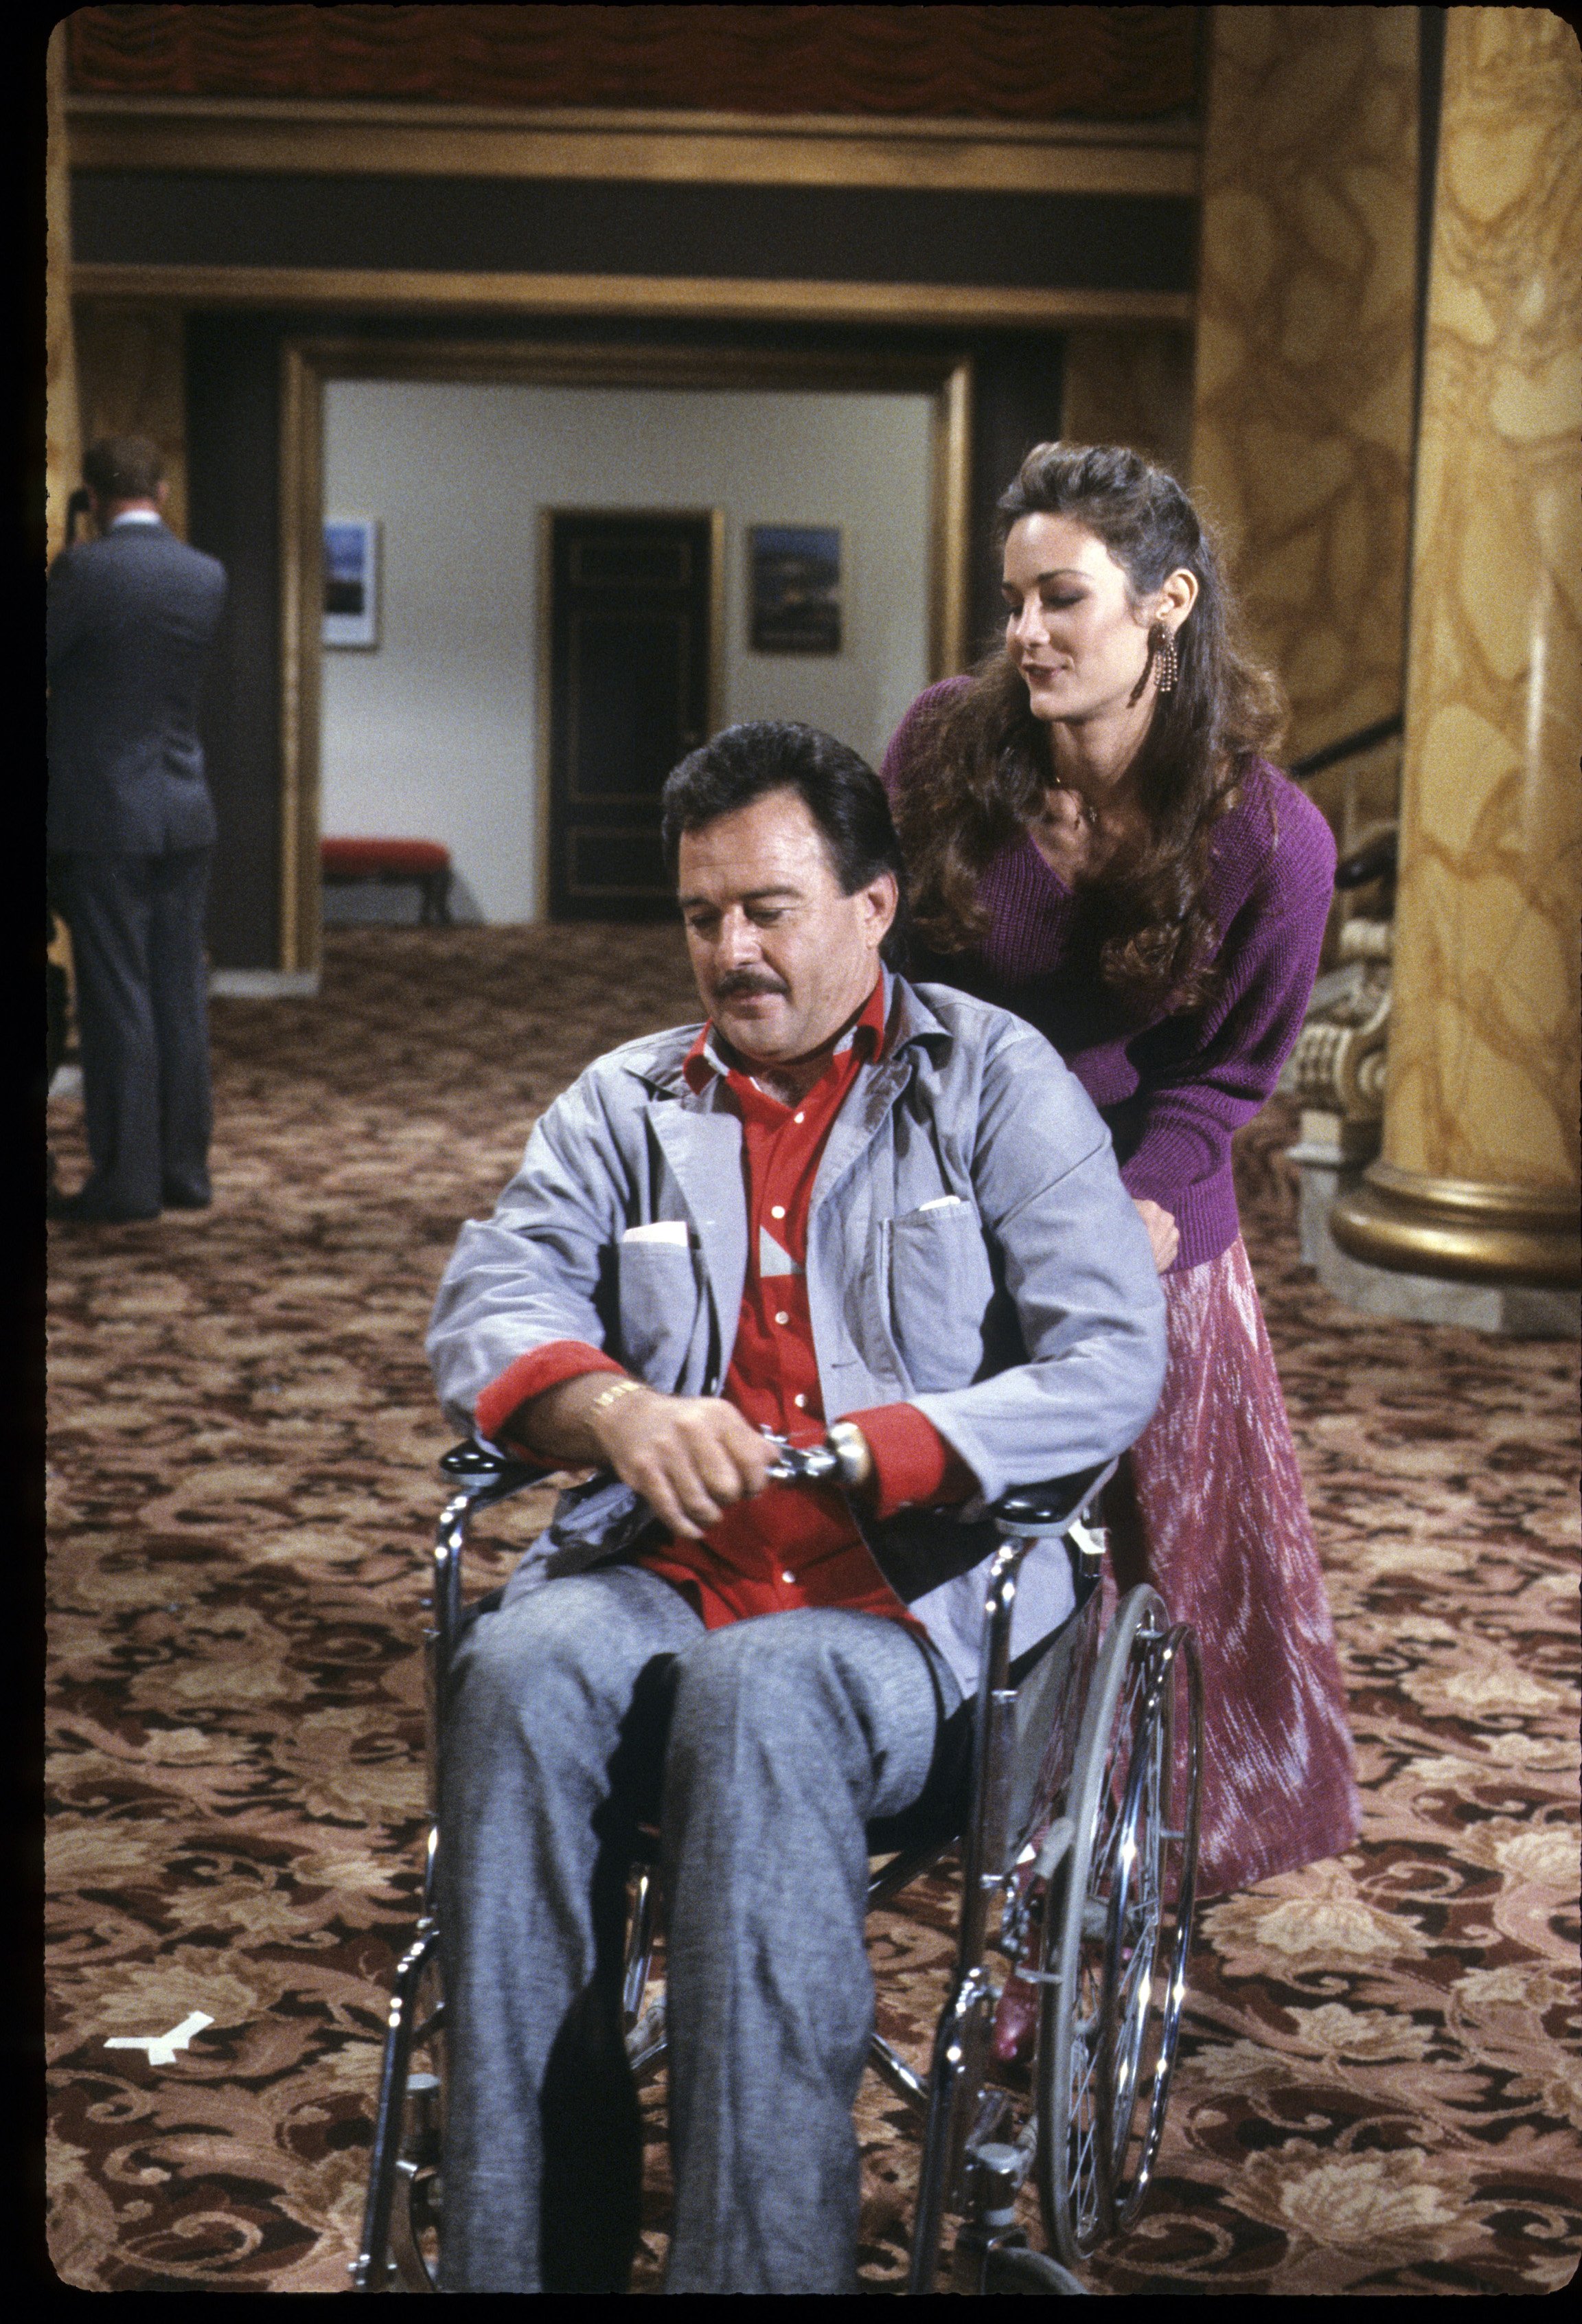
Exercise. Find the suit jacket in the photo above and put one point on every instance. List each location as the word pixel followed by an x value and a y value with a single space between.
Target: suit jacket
pixel 970 1250
pixel 131 621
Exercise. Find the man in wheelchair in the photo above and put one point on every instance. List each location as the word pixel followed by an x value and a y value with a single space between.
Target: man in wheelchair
pixel 843 1206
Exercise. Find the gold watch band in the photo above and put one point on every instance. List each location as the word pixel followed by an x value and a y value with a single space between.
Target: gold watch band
pixel 615 1388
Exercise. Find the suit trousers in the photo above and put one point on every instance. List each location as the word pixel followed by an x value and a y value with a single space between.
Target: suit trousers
pixel 580 1709
pixel 137 925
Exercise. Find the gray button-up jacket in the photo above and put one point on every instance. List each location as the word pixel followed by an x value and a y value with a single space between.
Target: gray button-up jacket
pixel 971 1250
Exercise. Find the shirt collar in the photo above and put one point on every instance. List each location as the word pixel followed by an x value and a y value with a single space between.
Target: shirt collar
pixel 707 1057
pixel 134 516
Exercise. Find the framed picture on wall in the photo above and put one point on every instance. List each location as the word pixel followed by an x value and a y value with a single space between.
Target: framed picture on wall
pixel 351 581
pixel 795 588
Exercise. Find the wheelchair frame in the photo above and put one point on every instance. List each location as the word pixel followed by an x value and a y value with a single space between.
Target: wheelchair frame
pixel 1084 1789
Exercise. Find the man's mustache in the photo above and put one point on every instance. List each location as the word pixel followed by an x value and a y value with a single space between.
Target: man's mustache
pixel 739 982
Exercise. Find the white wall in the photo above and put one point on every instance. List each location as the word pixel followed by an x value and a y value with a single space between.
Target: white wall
pixel 434 735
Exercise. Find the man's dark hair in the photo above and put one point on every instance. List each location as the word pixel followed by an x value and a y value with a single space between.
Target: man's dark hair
pixel 840 790
pixel 123 468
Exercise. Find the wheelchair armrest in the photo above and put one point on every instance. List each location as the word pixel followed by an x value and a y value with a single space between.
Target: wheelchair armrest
pixel 1028 1511
pixel 486 1477
pixel 482 1478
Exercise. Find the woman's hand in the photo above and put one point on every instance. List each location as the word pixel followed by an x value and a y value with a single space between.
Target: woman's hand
pixel 1163 1234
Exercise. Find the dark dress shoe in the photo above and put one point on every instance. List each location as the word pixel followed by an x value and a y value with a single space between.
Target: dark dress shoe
pixel 175 1198
pixel 83 1209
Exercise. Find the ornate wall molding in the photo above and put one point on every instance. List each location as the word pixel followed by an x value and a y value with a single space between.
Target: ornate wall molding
pixel 329 137
pixel 715 298
pixel 1004 63
pixel 1338 1066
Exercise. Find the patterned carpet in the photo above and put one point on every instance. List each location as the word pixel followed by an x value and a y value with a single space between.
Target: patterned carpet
pixel 1380 2090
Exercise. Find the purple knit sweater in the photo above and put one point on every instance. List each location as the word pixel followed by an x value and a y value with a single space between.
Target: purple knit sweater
pixel 1172 1090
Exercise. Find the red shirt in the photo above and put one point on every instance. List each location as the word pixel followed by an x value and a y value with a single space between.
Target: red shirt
pixel 790 1546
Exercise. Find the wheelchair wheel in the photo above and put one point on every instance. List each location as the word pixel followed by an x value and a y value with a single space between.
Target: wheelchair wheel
pixel 415 2219
pixel 1013 2270
pixel 1149 1927
pixel 642 2006
pixel 401 2221
pixel 1101 1945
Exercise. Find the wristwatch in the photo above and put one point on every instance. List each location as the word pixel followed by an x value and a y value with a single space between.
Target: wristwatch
pixel 850 1449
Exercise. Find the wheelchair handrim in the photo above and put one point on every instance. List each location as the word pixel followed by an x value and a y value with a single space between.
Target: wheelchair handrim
pixel 1146 1825
pixel 1075 2140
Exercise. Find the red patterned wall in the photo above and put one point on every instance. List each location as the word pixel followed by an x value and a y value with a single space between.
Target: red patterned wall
pixel 1005 63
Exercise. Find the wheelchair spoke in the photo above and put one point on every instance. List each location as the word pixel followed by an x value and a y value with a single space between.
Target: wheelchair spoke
pixel 1151 1928
pixel 1116 1937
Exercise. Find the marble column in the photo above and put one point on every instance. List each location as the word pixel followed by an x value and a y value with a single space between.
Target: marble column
pixel 1131 384
pixel 62 436
pixel 1477 1179
pixel 1306 342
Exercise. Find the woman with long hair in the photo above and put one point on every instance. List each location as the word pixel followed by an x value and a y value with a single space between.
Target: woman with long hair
pixel 1096 839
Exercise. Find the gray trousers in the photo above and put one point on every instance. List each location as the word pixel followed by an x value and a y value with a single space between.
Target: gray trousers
pixel 136 925
pixel 579 1709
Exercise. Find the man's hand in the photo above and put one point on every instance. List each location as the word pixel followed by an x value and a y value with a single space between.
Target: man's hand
pixel 690 1457
pixel 1163 1234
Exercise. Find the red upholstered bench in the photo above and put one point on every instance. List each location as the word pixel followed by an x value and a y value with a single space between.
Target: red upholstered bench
pixel 422 862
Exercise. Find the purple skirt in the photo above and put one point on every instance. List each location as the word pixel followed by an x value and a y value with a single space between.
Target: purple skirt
pixel 1209 1507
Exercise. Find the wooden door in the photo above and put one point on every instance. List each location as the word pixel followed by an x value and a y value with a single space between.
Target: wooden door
pixel 631 604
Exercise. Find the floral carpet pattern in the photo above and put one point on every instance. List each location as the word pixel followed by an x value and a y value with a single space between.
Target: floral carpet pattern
pixel 1380 2089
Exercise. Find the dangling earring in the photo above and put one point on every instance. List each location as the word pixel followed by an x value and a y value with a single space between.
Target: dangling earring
pixel 1166 660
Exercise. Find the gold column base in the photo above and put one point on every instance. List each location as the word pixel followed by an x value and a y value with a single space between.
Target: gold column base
pixel 1460 1229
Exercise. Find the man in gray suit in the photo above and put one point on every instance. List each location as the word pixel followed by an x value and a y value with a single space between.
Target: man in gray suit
pixel 132 616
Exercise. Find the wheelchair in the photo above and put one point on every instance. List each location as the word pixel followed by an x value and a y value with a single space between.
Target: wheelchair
pixel 1075 1826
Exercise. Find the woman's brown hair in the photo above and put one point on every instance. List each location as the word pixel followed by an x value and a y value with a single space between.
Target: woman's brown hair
pixel 982 762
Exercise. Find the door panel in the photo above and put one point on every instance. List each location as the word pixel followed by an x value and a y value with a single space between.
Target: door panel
pixel 627 702
pixel 630 599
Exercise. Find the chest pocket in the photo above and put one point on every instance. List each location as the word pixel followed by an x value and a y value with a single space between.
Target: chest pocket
pixel 660 1294
pixel 940 1287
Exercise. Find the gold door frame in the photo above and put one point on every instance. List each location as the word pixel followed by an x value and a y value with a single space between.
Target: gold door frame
pixel 309 363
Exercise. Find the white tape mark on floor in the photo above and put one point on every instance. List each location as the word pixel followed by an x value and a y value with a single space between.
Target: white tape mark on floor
pixel 163 2047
